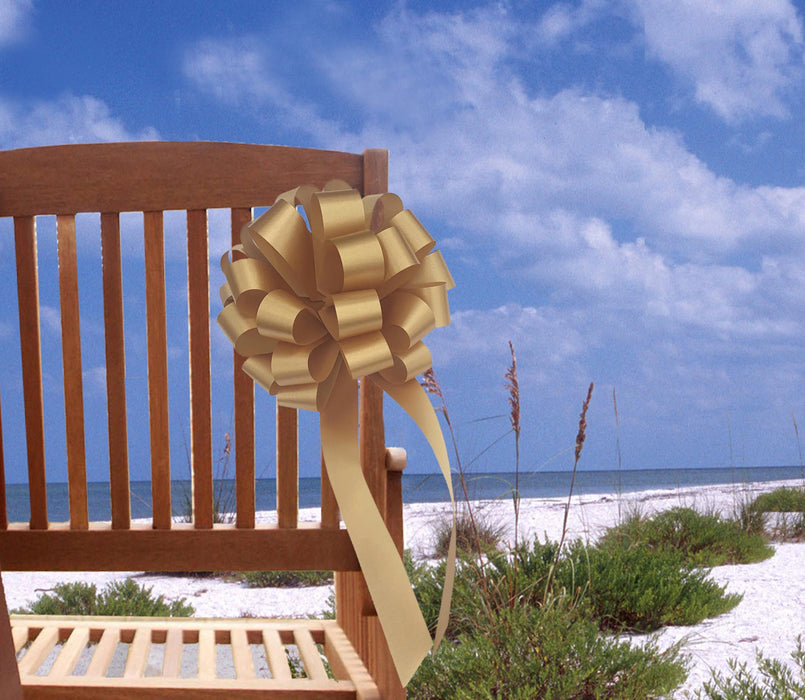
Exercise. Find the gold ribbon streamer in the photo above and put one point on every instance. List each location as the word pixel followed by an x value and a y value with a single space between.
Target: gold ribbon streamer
pixel 312 310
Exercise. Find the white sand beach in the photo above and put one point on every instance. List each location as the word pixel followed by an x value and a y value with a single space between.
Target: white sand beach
pixel 769 618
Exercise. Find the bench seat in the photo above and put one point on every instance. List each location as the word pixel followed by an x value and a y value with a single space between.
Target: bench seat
pixel 134 657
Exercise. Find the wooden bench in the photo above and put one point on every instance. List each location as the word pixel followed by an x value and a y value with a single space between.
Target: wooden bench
pixel 343 658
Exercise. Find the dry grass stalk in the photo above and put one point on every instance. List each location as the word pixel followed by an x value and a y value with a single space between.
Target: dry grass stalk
pixel 513 386
pixel 799 445
pixel 580 437
pixel 618 446
pixel 431 385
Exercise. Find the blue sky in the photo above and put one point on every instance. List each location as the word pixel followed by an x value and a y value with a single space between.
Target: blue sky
pixel 616 187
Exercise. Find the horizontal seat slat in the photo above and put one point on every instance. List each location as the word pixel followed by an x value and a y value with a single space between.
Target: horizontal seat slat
pixel 39 650
pixel 83 688
pixel 222 548
pixel 70 653
pixel 102 656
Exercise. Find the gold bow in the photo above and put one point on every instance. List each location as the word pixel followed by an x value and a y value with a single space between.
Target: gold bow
pixel 314 309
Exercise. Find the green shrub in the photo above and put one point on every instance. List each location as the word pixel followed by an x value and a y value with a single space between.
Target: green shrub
pixel 622 587
pixel 549 653
pixel 285 579
pixel 125 598
pixel 782 500
pixel 632 587
pixel 776 680
pixel 704 539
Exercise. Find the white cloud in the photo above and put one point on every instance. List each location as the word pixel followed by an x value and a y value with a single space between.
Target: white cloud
pixel 740 56
pixel 14 16
pixel 563 19
pixel 633 261
pixel 69 119
pixel 242 74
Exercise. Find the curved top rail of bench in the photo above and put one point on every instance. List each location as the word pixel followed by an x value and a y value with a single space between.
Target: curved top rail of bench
pixel 159 176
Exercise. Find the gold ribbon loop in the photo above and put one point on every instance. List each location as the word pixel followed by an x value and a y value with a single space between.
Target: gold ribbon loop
pixel 302 364
pixel 259 369
pixel 366 354
pixel 335 213
pixel 353 313
pixel 303 306
pixel 243 333
pixel 249 281
pixel 380 209
pixel 400 261
pixel 432 272
pixel 226 294
pixel 355 261
pixel 436 299
pixel 408 364
pixel 415 233
pixel 298 195
pixel 309 397
pixel 281 237
pixel 406 320
pixel 284 317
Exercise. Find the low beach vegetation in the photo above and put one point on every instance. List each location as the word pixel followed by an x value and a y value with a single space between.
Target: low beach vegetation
pixel 126 598
pixel 285 579
pixel 523 623
pixel 773 679
pixel 703 539
pixel 780 514
pixel 550 652
pixel 552 619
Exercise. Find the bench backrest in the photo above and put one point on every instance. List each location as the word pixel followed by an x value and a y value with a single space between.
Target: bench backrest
pixel 153 178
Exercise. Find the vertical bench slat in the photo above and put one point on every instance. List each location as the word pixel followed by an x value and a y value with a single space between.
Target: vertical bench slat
pixel 71 364
pixel 104 651
pixel 311 659
pixel 244 414
pixel 241 654
pixel 70 653
pixel 157 368
pixel 115 371
pixel 329 506
pixel 198 301
pixel 287 467
pixel 31 356
pixel 276 656
pixel 172 660
pixel 373 446
pixel 3 510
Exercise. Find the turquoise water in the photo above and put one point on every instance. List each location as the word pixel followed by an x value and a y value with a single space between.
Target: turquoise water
pixel 417 488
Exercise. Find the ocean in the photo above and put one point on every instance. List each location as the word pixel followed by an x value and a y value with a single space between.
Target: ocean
pixel 417 488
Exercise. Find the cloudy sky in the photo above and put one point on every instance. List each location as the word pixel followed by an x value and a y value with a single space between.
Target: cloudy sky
pixel 616 186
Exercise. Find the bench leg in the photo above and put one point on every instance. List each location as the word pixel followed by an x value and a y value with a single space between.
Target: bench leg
pixel 10 687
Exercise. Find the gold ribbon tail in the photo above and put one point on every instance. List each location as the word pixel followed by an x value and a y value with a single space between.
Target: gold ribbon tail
pixel 412 398
pixel 397 608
